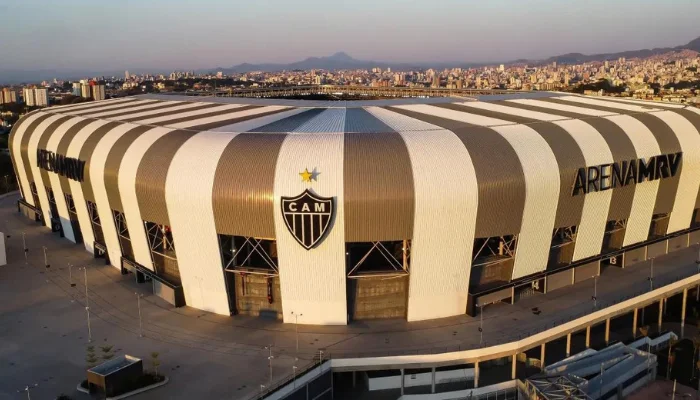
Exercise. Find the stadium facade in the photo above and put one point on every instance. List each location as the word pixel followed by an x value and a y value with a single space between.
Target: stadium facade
pixel 326 212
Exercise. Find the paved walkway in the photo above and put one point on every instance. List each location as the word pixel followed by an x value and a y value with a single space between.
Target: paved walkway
pixel 43 329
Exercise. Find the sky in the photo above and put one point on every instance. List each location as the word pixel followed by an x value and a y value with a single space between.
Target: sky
pixel 176 34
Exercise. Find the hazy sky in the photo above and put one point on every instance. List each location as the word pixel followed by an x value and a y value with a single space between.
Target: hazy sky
pixel 137 34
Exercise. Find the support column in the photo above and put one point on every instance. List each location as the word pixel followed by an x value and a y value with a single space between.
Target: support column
pixel 542 356
pixel 661 313
pixel 568 344
pixel 476 374
pixel 607 331
pixel 432 384
pixel 514 367
pixel 683 307
pixel 402 380
pixel 354 379
pixel 588 336
pixel 634 324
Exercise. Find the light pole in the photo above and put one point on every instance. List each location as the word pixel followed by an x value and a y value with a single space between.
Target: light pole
pixel 269 361
pixel 595 291
pixel 87 304
pixel 27 389
pixel 7 184
pixel 294 371
pixel 138 302
pixel 651 275
pixel 26 250
pixel 70 275
pixel 481 324
pixel 262 387
pixel 296 329
pixel 46 258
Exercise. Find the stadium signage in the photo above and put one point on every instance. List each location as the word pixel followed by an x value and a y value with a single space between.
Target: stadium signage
pixel 308 217
pixel 71 168
pixel 622 173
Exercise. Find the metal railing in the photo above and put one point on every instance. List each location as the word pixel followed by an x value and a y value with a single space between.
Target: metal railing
pixel 287 379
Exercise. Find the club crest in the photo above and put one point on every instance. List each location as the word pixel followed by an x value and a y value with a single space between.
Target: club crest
pixel 308 217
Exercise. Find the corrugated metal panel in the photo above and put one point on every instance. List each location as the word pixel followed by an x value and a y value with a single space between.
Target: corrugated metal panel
pixel 52 145
pixel 24 153
pixel 91 105
pixel 153 111
pixel 360 121
pixel 188 115
pixel 32 146
pixel 330 120
pixel 86 155
pixel 105 107
pixel 645 193
pixel 151 176
pixel 541 197
pixel 207 118
pixel 171 112
pixel 446 206
pixel 448 111
pixel 113 162
pixel 689 174
pixel 20 135
pixel 188 192
pixel 65 142
pixel 45 137
pixel 692 115
pixel 617 140
pixel 644 103
pixel 498 171
pixel 591 230
pixel 313 281
pixel 231 118
pixel 76 188
pixel 252 124
pixel 591 103
pixel 15 154
pixel 244 183
pixel 379 203
pixel 566 151
pixel 128 169
pixel 289 124
pixel 97 180
pixel 159 105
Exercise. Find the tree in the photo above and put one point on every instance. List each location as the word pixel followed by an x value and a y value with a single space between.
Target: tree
pixel 107 353
pixel 155 362
pixel 90 358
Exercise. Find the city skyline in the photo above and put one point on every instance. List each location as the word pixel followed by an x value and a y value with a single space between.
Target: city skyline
pixel 165 35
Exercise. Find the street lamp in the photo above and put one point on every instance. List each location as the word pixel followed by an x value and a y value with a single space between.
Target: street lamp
pixel 269 361
pixel 87 304
pixel 138 302
pixel 296 329
pixel 27 389
pixel 46 259
pixel 70 275
pixel 481 324
pixel 294 371
pixel 26 250
pixel 595 291
pixel 651 275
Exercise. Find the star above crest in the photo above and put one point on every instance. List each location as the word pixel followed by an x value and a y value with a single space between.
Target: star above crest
pixel 307 176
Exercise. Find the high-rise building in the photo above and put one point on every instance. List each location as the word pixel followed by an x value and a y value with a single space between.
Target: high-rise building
pixel 41 97
pixel 501 67
pixel 28 96
pixel 76 89
pixel 85 89
pixel 126 75
pixel 98 91
pixel 8 96
pixel 35 96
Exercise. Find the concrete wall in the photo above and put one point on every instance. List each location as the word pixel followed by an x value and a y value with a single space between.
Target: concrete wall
pixel 657 249
pixel 677 243
pixel 560 280
pixel 586 271
pixel 422 379
pixel 635 256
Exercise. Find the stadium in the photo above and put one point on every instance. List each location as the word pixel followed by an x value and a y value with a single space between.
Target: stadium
pixel 322 212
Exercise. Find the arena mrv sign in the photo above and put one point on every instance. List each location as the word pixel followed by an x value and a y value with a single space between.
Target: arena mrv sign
pixel 623 173
pixel 71 168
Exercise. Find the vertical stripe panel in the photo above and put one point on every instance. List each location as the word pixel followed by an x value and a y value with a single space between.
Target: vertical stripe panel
pixel 17 155
pixel 89 105
pixel 97 180
pixel 36 172
pixel 689 180
pixel 645 146
pixel 591 230
pixel 312 281
pixel 76 188
pixel 52 145
pixel 188 191
pixel 444 220
pixel 127 189
pixel 541 197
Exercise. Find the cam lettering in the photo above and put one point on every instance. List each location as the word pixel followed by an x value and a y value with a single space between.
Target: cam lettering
pixel 71 168
pixel 622 173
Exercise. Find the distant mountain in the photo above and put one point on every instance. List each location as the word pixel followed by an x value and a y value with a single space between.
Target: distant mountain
pixel 342 60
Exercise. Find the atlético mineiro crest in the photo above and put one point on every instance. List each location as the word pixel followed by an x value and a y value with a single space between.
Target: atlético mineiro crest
pixel 308 217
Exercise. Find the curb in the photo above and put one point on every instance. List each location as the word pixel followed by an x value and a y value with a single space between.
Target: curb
pixel 8 194
pixel 132 393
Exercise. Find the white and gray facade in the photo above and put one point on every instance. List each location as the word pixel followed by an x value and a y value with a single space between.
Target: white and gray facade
pixel 333 211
